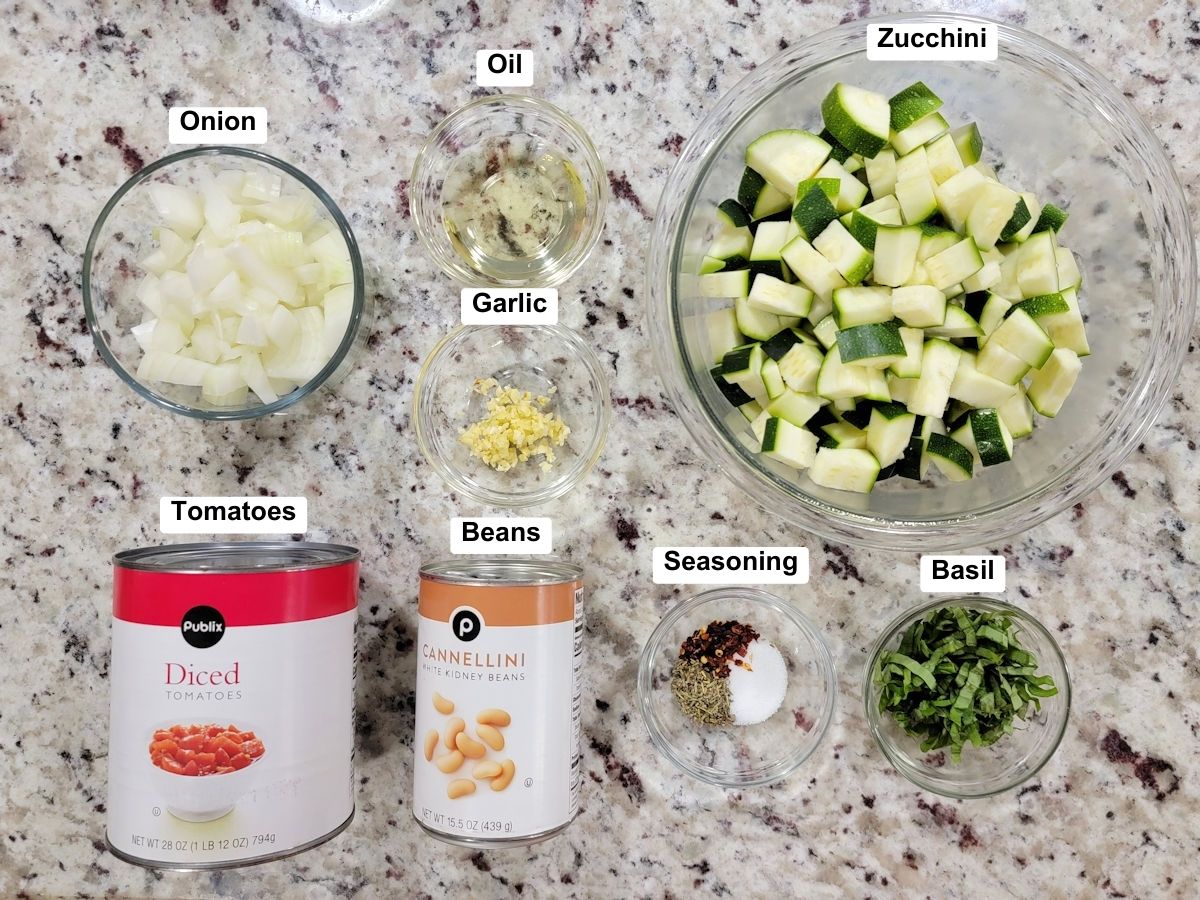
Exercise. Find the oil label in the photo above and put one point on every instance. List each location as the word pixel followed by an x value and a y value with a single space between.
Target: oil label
pixel 232 713
pixel 217 125
pixel 497 306
pixel 497 717
pixel 504 68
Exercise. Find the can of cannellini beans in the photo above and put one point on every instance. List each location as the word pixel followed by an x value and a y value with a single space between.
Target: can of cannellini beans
pixel 500 646
pixel 231 737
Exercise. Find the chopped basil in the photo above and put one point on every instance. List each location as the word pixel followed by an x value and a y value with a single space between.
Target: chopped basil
pixel 960 676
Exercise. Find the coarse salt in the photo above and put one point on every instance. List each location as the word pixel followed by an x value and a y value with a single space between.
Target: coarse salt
pixel 757 689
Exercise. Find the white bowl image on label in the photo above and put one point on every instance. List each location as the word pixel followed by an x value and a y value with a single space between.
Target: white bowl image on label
pixel 200 797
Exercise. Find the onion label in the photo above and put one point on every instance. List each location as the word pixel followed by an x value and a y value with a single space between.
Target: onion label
pixel 979 42
pixel 233 515
pixel 949 574
pixel 501 534
pixel 504 68
pixel 730 565
pixel 217 125
pixel 497 306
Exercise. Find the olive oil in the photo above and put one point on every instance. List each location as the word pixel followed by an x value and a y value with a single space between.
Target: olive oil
pixel 513 207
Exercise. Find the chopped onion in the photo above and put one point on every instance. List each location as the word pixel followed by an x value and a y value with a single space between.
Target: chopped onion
pixel 247 288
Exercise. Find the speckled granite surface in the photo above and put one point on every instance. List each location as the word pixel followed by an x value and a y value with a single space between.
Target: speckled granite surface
pixel 83 96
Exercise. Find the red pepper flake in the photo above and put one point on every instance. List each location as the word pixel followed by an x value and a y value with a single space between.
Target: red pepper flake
pixel 718 645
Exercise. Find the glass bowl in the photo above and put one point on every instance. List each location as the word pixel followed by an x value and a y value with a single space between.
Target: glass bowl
pixel 981 771
pixel 459 161
pixel 122 235
pixel 749 755
pixel 532 358
pixel 1062 131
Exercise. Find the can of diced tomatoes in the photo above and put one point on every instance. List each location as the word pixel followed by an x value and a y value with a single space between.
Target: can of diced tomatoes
pixel 231 737
pixel 500 645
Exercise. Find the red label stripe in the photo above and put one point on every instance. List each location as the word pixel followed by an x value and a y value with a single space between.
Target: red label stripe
pixel 243 598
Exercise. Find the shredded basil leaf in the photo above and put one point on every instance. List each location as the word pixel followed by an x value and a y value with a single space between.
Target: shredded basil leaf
pixel 960 676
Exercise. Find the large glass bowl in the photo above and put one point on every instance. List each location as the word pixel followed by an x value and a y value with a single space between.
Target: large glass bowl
pixel 1062 131
pixel 123 234
pixel 981 771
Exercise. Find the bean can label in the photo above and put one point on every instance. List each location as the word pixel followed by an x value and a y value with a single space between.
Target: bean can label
pixel 232 708
pixel 498 701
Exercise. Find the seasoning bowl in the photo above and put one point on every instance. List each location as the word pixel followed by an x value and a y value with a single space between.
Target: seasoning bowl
pixel 534 358
pixel 1062 130
pixel 981 771
pixel 740 756
pixel 122 235
pixel 460 159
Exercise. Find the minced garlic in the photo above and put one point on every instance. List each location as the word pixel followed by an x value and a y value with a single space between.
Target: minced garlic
pixel 515 428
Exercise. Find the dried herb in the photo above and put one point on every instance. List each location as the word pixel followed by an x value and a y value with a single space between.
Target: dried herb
pixel 701 694
pixel 718 645
pixel 960 676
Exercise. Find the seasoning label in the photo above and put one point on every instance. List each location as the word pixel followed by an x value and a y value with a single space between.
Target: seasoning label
pixel 947 574
pixel 504 68
pixel 233 515
pixel 501 534
pixel 730 565
pixel 497 306
pixel 498 709
pixel 217 125
pixel 979 41
pixel 232 728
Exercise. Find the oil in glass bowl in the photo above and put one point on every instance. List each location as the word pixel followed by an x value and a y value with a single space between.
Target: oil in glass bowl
pixel 512 206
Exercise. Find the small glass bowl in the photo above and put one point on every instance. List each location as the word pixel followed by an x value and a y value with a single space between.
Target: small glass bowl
pixel 531 358
pixel 982 771
pixel 122 235
pixel 751 755
pixel 507 119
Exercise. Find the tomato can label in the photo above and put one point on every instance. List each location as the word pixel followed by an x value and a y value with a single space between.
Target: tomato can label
pixel 232 709
pixel 500 645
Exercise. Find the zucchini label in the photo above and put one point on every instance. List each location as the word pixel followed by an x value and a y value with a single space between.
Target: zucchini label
pixel 217 125
pixel 233 515
pixel 730 565
pixel 501 534
pixel 948 574
pixel 979 42
pixel 497 306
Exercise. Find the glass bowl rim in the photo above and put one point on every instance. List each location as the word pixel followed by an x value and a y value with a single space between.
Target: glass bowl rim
pixel 358 308
pixel 977 601
pixel 823 659
pixel 1154 379
pixel 426 219
pixel 577 351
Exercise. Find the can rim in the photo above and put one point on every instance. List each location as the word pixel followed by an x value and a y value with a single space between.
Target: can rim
pixel 283 556
pixel 485 571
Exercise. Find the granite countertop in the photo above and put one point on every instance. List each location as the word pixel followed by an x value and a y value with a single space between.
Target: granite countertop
pixel 84 89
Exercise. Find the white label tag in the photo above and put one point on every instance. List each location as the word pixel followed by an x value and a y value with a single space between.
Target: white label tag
pixel 946 574
pixel 730 565
pixel 217 125
pixel 233 515
pixel 504 68
pixel 497 306
pixel 501 534
pixel 979 42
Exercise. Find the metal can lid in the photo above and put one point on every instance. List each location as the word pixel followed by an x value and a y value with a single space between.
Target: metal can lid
pixel 236 556
pixel 501 570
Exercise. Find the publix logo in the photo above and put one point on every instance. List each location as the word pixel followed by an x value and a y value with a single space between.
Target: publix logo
pixel 202 626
